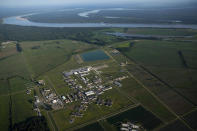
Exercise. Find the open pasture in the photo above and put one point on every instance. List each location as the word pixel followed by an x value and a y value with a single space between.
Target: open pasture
pixel 162 59
pixel 12 66
pixel 43 56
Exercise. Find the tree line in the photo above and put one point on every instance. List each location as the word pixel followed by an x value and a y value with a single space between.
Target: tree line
pixel 20 33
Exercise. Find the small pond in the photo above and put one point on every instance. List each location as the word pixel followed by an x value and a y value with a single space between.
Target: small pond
pixel 94 55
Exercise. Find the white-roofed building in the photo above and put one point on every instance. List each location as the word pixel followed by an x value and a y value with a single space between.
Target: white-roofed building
pixel 89 93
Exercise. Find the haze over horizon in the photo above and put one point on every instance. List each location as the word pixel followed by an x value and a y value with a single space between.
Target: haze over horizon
pixel 20 3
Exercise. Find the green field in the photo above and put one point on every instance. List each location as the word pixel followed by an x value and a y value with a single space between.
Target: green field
pixel 22 107
pixel 162 58
pixel 136 91
pixel 4 88
pixel 42 56
pixel 19 84
pixel 94 126
pixel 4 113
pixel 165 32
pixel 12 66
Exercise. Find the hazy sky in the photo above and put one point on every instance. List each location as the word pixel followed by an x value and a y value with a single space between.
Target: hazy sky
pixel 72 2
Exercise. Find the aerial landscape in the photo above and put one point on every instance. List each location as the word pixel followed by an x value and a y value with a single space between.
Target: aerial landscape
pixel 88 65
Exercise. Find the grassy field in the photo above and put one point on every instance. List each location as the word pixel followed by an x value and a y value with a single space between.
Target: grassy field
pixel 157 53
pixel 107 126
pixel 133 89
pixel 191 119
pixel 19 84
pixel 165 32
pixel 94 126
pixel 42 56
pixel 12 66
pixel 176 125
pixel 22 107
pixel 4 88
pixel 4 113
pixel 162 58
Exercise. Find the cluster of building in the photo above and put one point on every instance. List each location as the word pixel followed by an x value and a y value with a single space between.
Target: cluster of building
pixel 107 102
pixel 83 70
pixel 36 105
pixel 129 127
pixel 93 86
pixel 86 85
pixel 51 98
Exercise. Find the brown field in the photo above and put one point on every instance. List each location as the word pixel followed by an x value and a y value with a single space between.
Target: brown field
pixel 7 50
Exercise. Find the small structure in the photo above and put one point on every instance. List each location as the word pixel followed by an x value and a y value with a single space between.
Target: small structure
pixel 28 91
pixel 115 51
pixel 129 127
pixel 125 125
pixel 41 82
pixel 54 101
pixel 63 97
pixel 89 93
pixel 124 129
pixel 118 84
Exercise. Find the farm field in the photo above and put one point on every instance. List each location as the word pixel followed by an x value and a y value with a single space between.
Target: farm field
pixel 7 49
pixel 176 125
pixel 4 112
pixel 22 107
pixel 191 119
pixel 4 88
pixel 164 32
pixel 168 66
pixel 134 90
pixel 13 66
pixel 139 114
pixel 94 126
pixel 19 84
pixel 42 56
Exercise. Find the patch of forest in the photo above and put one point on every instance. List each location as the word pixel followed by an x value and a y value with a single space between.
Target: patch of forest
pixel 89 35
pixel 32 124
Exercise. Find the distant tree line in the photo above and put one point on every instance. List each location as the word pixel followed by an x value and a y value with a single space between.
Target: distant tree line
pixel 20 33
pixel 182 59
pixel 18 47
pixel 32 124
